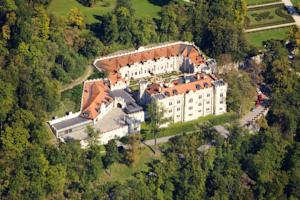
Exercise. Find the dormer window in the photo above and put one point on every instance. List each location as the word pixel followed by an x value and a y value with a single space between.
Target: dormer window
pixel 197 86
pixel 86 114
pixel 175 92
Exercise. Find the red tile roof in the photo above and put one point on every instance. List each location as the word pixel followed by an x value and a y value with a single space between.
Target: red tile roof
pixel 94 94
pixel 114 63
pixel 201 81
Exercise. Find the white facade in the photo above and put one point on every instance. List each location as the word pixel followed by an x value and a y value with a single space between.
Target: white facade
pixel 193 104
pixel 145 69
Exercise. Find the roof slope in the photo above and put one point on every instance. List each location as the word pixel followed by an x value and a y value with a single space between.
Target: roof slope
pixel 114 63
pixel 94 94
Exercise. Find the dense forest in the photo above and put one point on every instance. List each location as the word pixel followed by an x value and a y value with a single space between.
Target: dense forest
pixel 40 52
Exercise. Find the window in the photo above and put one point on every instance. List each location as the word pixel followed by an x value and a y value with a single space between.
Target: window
pixel 178 109
pixel 199 104
pixel 221 102
pixel 208 95
pixel 170 110
pixel 199 111
pixel 126 75
pixel 221 95
pixel 191 101
pixel 178 102
pixel 207 109
pixel 135 73
pixel 170 103
pixel 221 108
pixel 177 116
pixel 207 102
pixel 190 114
pixel 200 96
pixel 68 131
pixel 191 108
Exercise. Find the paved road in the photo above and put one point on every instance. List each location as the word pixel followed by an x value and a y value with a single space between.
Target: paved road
pixel 265 4
pixel 78 81
pixel 252 115
pixel 270 27
pixel 296 16
pixel 158 141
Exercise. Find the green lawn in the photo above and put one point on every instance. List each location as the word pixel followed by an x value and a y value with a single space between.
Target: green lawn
pixel 256 38
pixel 186 127
pixel 145 8
pixel 121 172
pixel 295 2
pixel 267 16
pixel 62 8
pixel 256 2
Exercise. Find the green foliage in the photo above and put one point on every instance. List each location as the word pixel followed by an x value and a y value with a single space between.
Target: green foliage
pixel 112 155
pixel 237 100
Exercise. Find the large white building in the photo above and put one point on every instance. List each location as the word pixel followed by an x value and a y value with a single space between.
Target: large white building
pixel 108 104
pixel 159 59
pixel 188 97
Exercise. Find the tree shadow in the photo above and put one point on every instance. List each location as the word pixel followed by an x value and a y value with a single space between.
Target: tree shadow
pixel 160 2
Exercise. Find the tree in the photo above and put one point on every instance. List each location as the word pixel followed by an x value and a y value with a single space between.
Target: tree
pixel 168 28
pixel 132 152
pixel 91 47
pixel 112 154
pixel 14 140
pixel 109 29
pixel 93 135
pixel 76 18
pixel 56 179
pixel 6 100
pixel 156 118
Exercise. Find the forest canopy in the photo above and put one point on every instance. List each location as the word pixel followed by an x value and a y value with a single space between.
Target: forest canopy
pixel 39 53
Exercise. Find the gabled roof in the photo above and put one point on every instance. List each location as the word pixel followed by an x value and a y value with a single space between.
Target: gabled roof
pixel 115 62
pixel 95 93
pixel 176 87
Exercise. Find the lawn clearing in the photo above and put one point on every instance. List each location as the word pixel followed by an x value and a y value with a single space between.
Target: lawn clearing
pixel 257 2
pixel 267 16
pixel 257 38
pixel 121 172
pixel 62 8
pixel 187 127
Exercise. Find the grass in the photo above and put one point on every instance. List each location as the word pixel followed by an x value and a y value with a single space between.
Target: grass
pixel 267 16
pixel 257 2
pixel 121 172
pixel 145 8
pixel 295 2
pixel 257 38
pixel 62 7
pixel 185 127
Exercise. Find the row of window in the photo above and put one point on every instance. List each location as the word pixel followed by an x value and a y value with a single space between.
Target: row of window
pixel 190 100
pixel 150 70
pixel 199 104
pixel 190 108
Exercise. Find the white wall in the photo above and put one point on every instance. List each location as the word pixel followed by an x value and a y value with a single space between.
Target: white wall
pixel 117 133
pixel 138 116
